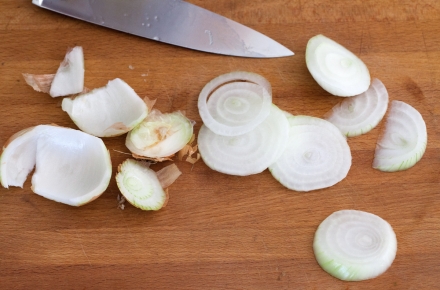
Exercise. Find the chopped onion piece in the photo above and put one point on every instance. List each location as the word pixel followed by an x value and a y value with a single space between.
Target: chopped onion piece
pixel 235 103
pixel 359 114
pixel 336 69
pixel 249 153
pixel 141 186
pixel 160 135
pixel 403 141
pixel 69 78
pixel 109 111
pixel 71 166
pixel 353 245
pixel 317 155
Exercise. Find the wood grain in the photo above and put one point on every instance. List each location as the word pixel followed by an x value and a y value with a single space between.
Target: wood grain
pixel 219 231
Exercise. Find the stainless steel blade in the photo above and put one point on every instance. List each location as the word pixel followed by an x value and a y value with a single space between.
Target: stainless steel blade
pixel 172 21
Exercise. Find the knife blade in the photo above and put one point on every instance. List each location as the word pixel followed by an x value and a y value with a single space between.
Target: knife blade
pixel 174 22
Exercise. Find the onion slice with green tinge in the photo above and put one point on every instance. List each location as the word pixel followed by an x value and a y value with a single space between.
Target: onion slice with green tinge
pixel 233 104
pixel 160 135
pixel 144 188
pixel 336 69
pixel 71 167
pixel 357 115
pixel 109 111
pixel 404 140
pixel 249 153
pixel 353 245
pixel 317 155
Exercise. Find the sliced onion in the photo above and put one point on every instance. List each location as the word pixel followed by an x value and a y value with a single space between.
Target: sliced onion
pixel 354 245
pixel 403 141
pixel 249 153
pixel 40 83
pixel 336 69
pixel 235 103
pixel 359 114
pixel 109 111
pixel 317 155
pixel 69 78
pixel 71 167
pixel 160 135
pixel 141 186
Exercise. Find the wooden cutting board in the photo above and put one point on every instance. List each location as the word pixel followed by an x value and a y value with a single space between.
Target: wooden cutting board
pixel 219 231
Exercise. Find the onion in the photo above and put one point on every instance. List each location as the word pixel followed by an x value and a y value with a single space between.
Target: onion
pixel 317 155
pixel 142 187
pixel 69 78
pixel 404 140
pixel 71 167
pixel 235 103
pixel 336 69
pixel 354 245
pixel 109 111
pixel 359 114
pixel 249 153
pixel 160 135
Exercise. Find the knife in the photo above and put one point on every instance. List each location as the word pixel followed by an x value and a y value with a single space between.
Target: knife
pixel 172 21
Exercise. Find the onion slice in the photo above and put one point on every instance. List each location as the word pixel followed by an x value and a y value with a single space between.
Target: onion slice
pixel 69 78
pixel 359 114
pixel 249 153
pixel 71 166
pixel 233 104
pixel 336 69
pixel 160 135
pixel 109 111
pixel 317 155
pixel 141 186
pixel 403 142
pixel 353 245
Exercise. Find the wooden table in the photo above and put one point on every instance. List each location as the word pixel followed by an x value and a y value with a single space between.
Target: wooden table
pixel 219 231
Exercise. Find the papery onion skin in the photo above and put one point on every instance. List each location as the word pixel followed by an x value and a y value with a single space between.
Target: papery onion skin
pixel 347 76
pixel 365 256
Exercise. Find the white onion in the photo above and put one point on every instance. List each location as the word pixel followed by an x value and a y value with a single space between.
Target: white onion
pixel 235 103
pixel 108 111
pixel 317 155
pixel 71 167
pixel 354 245
pixel 249 153
pixel 69 78
pixel 141 186
pixel 160 135
pixel 359 114
pixel 404 140
pixel 336 69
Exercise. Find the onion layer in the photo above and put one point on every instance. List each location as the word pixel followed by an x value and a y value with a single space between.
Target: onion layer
pixel 71 167
pixel 249 153
pixel 403 141
pixel 235 103
pixel 336 69
pixel 359 114
pixel 354 245
pixel 109 111
pixel 317 155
